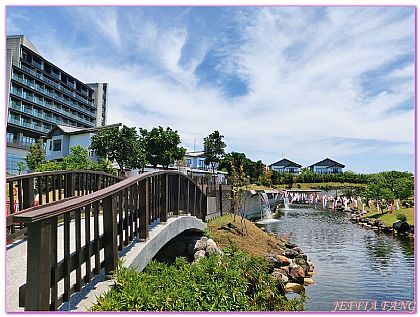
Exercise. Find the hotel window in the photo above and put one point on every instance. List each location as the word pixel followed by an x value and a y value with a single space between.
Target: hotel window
pixel 57 145
pixel 188 162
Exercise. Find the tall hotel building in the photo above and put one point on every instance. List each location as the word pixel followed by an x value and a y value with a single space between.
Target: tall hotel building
pixel 42 95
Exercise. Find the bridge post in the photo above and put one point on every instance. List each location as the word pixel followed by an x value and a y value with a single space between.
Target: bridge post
pixel 220 199
pixel 164 198
pixel 99 182
pixel 179 194
pixel 188 196
pixel 110 233
pixel 203 207
pixel 28 192
pixel 38 272
pixel 69 192
pixel 144 209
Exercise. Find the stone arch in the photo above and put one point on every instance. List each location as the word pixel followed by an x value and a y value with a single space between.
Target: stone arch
pixel 143 252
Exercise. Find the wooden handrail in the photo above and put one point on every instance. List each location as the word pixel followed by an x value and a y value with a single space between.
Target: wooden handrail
pixel 125 209
pixel 58 172
pixel 49 187
pixel 38 213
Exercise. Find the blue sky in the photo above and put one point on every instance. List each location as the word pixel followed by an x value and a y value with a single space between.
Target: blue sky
pixel 305 83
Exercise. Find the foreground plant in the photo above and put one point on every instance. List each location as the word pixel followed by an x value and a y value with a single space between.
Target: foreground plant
pixel 232 282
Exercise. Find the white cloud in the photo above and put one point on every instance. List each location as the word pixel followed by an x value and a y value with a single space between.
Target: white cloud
pixel 100 20
pixel 298 101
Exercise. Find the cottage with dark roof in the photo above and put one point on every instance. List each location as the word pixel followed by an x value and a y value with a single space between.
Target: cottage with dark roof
pixel 327 166
pixel 61 138
pixel 286 166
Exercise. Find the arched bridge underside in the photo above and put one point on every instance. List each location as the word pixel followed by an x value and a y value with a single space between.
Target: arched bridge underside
pixel 138 256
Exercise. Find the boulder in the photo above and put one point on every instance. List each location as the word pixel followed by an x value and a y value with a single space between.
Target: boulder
pixel 308 281
pixel 284 261
pixel 284 270
pixel 199 254
pixel 401 227
pixel 278 275
pixel 298 250
pixel 290 245
pixel 212 248
pixel 200 245
pixel 297 274
pixel 273 261
pixel 294 287
pixel 311 273
pixel 379 223
pixel 291 254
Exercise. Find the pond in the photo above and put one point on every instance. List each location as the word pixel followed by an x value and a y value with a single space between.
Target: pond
pixel 352 263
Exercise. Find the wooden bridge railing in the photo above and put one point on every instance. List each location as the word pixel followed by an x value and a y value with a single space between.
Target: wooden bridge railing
pixel 112 218
pixel 28 190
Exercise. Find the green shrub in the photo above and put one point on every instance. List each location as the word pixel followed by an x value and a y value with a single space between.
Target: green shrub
pixel 232 282
pixel 402 217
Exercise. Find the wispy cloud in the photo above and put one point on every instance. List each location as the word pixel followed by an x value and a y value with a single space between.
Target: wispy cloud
pixel 102 22
pixel 319 82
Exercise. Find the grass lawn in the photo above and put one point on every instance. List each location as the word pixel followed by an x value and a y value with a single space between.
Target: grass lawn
pixel 389 218
pixel 331 185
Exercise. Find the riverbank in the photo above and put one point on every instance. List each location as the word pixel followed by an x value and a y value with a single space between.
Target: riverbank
pixel 390 217
pixel 287 261
pixel 397 222
pixel 306 186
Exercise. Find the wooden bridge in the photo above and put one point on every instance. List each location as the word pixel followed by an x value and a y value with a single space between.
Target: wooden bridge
pixel 114 212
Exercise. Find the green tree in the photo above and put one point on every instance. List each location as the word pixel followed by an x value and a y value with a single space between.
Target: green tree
pixel 104 165
pixel 78 159
pixel 21 167
pixel 214 149
pixel 121 145
pixel 256 171
pixel 162 146
pixel 50 166
pixel 36 155
pixel 377 189
pixel 404 188
pixel 233 160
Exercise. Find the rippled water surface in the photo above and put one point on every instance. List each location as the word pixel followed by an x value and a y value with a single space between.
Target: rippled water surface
pixel 352 262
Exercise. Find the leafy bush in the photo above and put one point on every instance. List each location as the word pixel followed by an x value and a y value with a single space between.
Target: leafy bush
pixel 402 217
pixel 232 282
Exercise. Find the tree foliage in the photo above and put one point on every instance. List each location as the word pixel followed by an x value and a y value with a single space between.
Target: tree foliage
pixel 214 149
pixel 78 159
pixel 253 171
pixel 36 155
pixel 162 146
pixel 404 189
pixel 120 145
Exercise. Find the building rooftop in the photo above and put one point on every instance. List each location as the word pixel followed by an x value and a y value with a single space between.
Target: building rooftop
pixel 72 130
pixel 195 154
pixel 286 163
pixel 329 163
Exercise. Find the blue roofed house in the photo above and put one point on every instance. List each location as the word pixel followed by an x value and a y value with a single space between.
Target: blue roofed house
pixel 194 162
pixel 327 166
pixel 61 138
pixel 286 166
